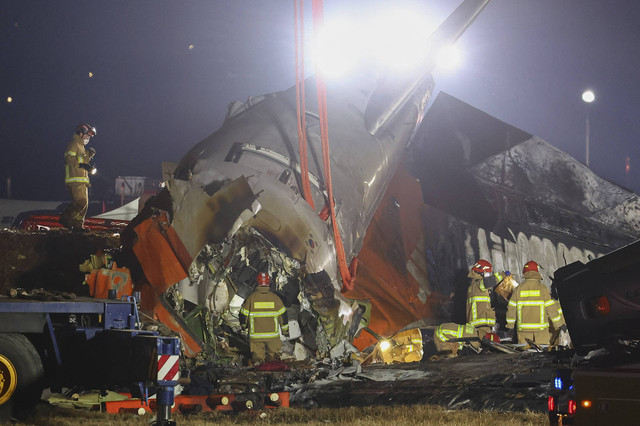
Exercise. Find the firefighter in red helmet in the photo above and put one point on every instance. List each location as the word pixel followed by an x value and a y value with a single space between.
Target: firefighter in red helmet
pixel 531 308
pixel 264 314
pixel 76 177
pixel 480 313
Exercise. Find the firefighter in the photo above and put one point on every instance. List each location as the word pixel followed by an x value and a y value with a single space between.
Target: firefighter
pixel 263 313
pixel 76 177
pixel 532 308
pixel 449 331
pixel 480 314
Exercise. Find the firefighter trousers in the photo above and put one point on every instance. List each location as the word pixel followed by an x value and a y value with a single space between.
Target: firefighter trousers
pixel 541 337
pixel 73 215
pixel 265 350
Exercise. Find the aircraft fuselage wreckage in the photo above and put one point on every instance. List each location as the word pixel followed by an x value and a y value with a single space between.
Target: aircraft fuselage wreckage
pixel 235 206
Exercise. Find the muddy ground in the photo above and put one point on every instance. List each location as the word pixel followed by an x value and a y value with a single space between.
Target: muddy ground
pixel 486 389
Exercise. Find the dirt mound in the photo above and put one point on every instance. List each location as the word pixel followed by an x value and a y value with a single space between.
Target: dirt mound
pixel 48 259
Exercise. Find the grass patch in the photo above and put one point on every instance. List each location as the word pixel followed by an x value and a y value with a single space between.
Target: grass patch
pixel 371 416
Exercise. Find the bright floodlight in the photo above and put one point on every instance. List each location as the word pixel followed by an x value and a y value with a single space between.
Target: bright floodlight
pixel 588 96
pixel 449 57
pixel 337 48
pixel 399 39
pixel 395 40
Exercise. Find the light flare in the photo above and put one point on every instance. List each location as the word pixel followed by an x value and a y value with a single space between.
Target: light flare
pixel 395 41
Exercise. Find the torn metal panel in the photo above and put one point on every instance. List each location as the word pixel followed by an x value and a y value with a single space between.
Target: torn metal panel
pixel 200 217
pixel 161 254
pixel 495 176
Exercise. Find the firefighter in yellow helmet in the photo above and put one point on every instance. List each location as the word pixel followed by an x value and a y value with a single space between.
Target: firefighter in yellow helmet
pixel 480 313
pixel 76 177
pixel 263 313
pixel 531 308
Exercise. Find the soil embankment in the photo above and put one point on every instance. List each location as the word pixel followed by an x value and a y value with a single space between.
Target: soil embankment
pixel 48 259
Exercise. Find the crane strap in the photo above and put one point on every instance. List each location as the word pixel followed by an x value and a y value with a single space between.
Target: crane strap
pixel 298 17
pixel 346 272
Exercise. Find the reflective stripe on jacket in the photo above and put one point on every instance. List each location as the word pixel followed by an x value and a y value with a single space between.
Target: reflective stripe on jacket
pixel 451 330
pixel 531 306
pixel 479 311
pixel 74 155
pixel 264 312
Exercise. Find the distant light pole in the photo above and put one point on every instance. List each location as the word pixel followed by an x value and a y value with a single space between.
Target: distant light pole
pixel 587 97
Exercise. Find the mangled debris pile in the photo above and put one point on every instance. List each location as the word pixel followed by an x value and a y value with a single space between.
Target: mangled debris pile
pixel 223 276
pixel 503 382
pixel 195 261
pixel 32 259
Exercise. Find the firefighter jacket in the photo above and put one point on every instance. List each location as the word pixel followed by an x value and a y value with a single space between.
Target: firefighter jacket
pixel 479 311
pixel 451 330
pixel 75 155
pixel 262 313
pixel 531 307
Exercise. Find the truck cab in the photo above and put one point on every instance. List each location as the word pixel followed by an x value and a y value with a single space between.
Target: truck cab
pixel 601 304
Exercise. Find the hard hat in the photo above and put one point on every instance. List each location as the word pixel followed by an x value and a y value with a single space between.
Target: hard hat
pixel 86 129
pixel 483 267
pixel 530 266
pixel 263 279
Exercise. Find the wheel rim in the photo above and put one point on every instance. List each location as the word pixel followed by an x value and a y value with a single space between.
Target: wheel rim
pixel 8 379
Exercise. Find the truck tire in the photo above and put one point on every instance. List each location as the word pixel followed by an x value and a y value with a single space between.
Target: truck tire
pixel 21 374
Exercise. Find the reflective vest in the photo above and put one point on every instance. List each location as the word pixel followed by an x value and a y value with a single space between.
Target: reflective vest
pixel 264 312
pixel 531 306
pixel 451 330
pixel 73 156
pixel 479 311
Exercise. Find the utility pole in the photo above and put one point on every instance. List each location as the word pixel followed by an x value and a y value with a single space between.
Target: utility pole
pixel 587 131
pixel 587 97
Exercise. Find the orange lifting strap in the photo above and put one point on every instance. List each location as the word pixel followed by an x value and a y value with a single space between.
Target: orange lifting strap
pixel 300 97
pixel 346 272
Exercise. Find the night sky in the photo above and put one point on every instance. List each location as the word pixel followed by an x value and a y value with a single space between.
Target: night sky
pixel 163 73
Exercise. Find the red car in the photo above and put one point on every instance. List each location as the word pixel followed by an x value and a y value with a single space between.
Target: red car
pixel 34 221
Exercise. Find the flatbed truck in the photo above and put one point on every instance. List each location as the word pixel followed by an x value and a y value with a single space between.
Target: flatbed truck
pixel 83 342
